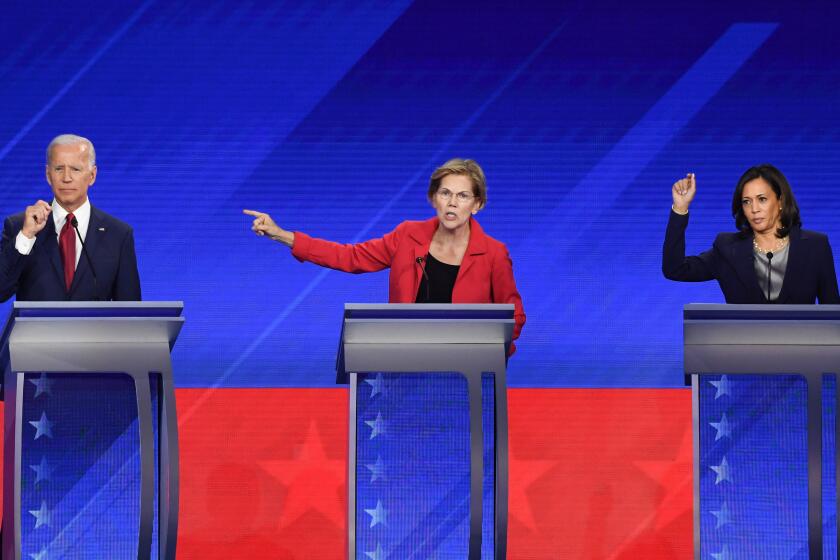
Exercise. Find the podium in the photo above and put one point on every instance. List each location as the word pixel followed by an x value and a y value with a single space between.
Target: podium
pixel 90 460
pixel 764 400
pixel 428 447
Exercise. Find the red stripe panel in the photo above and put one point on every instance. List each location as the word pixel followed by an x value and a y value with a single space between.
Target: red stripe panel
pixel 595 473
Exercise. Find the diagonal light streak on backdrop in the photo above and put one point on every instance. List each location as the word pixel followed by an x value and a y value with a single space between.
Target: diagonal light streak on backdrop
pixel 656 129
pixel 647 138
pixel 443 149
pixel 112 40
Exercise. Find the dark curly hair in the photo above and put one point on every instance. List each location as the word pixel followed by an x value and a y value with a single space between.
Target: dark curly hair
pixel 779 184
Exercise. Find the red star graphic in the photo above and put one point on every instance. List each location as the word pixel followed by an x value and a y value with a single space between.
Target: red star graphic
pixel 674 476
pixel 313 482
pixel 523 473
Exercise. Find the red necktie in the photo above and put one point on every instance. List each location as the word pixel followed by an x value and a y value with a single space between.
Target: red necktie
pixel 67 246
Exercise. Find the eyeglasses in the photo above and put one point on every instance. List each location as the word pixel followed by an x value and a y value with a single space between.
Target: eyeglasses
pixel 461 197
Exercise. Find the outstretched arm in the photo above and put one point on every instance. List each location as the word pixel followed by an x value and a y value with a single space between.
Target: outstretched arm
pixel 368 256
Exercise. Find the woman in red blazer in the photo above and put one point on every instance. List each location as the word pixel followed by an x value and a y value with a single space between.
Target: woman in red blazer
pixel 446 259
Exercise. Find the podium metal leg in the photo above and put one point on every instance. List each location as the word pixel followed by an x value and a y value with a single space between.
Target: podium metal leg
pixel 351 470
pixel 476 464
pixel 695 435
pixel 147 466
pixel 501 502
pixel 815 529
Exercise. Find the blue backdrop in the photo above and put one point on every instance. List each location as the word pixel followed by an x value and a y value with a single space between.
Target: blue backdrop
pixel 332 115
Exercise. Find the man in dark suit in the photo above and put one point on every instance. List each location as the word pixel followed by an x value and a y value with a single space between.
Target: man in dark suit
pixel 41 252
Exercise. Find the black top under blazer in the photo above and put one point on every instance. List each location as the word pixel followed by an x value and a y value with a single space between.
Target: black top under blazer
pixel 809 275
pixel 39 276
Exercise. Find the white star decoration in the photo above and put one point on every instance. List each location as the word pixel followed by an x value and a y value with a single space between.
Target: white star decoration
pixel 377 426
pixel 39 555
pixel 43 471
pixel 43 385
pixel 724 428
pixel 377 469
pixel 42 515
pixel 723 554
pixel 377 385
pixel 723 387
pixel 723 516
pixel 377 515
pixel 377 554
pixel 43 427
pixel 722 471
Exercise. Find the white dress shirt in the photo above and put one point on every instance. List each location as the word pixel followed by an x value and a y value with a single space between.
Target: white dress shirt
pixel 59 215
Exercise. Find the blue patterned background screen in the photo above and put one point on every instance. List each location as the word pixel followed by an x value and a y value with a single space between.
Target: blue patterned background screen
pixel 80 466
pixel 332 116
pixel 754 466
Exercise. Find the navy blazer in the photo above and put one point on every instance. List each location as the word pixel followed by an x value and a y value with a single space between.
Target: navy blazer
pixel 809 274
pixel 39 276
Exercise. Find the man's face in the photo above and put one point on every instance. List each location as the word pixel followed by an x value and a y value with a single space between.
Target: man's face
pixel 70 174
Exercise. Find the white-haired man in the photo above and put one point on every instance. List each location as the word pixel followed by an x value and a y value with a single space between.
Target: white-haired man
pixel 41 251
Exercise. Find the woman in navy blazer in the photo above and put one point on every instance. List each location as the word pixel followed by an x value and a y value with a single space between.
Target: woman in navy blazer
pixel 771 259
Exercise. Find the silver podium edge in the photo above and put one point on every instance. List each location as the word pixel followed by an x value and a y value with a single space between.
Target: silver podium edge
pixel 767 340
pixel 131 337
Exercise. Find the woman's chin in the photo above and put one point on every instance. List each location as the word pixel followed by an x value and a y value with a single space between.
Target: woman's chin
pixel 761 229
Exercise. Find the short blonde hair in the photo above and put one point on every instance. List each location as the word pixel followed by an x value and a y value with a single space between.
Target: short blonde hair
pixel 466 167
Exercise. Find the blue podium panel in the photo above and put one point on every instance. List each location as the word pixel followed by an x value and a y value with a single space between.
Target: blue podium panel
pixel 80 466
pixel 413 466
pixel 91 446
pixel 753 467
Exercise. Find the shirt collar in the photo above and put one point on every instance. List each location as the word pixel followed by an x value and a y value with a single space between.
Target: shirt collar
pixel 82 214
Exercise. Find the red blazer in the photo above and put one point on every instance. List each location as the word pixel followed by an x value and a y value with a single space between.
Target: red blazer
pixel 486 274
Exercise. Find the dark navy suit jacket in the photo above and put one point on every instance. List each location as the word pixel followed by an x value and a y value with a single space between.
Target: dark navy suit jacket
pixel 809 275
pixel 39 276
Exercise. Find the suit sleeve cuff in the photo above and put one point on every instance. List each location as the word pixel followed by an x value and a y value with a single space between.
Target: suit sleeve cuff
pixel 24 244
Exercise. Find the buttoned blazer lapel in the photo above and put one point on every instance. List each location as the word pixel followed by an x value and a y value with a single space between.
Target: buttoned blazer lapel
pixel 793 268
pixel 422 240
pixel 477 246
pixel 48 239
